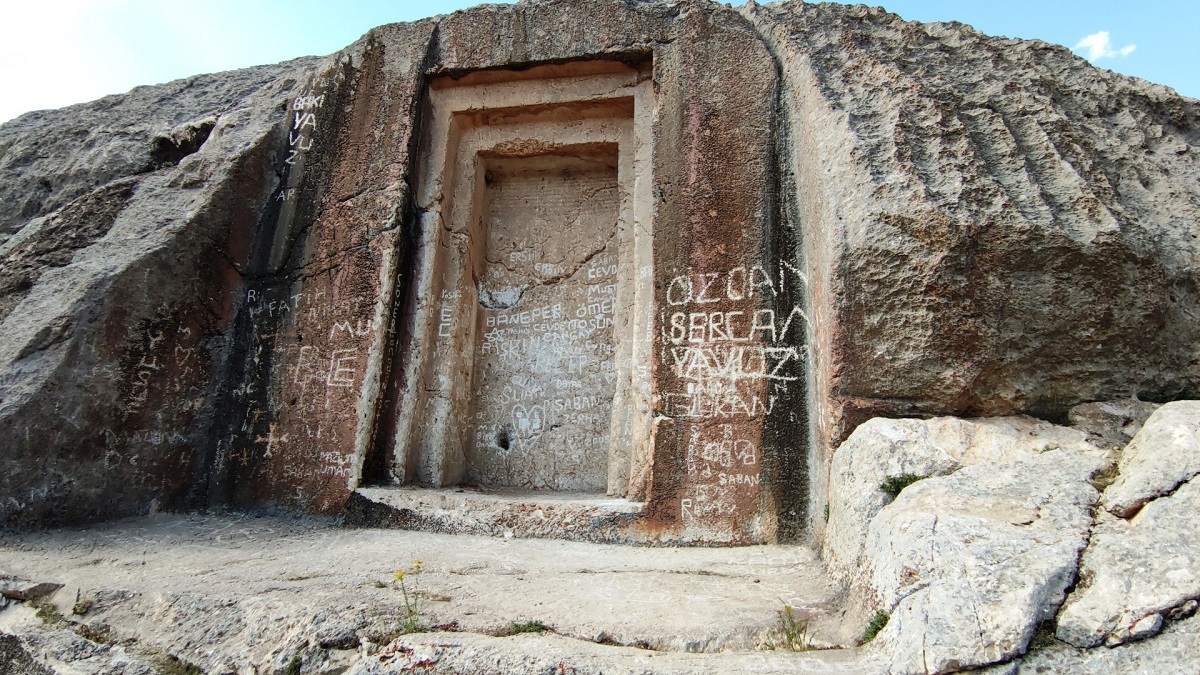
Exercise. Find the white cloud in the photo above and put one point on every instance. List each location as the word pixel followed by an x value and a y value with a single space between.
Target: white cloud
pixel 1099 46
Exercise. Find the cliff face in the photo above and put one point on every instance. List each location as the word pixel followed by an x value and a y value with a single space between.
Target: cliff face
pixel 991 226
pixel 212 290
pixel 126 226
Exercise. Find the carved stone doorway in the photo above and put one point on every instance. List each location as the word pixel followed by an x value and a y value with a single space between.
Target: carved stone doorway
pixel 527 365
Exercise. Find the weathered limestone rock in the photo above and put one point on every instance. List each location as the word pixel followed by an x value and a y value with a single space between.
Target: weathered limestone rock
pixel 1114 422
pixel 232 287
pixel 231 594
pixel 31 646
pixel 968 565
pixel 16 659
pixel 1176 650
pixel 50 158
pixel 990 226
pixel 1136 569
pixel 883 449
pixel 123 223
pixel 1164 454
pixel 23 590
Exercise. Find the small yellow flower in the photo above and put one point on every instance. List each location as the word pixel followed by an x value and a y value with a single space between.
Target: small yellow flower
pixel 417 566
pixel 400 575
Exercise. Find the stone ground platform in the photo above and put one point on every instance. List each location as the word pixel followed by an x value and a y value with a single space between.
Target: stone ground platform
pixel 227 593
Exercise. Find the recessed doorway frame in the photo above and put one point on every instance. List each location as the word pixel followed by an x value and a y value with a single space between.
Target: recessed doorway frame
pixel 544 109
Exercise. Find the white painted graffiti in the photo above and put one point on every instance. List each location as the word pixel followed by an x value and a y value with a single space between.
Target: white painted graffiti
pixel 723 347
pixel 304 123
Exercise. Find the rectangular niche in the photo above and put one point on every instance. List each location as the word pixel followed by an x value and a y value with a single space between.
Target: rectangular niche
pixel 528 362
pixel 544 376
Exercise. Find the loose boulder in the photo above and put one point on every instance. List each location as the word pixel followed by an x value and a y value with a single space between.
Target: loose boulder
pixel 1164 454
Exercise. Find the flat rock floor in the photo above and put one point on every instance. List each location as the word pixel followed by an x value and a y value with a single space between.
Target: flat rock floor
pixel 231 593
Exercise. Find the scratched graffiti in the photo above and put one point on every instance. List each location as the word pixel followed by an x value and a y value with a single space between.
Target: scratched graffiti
pixel 722 345
pixel 314 378
pixel 304 125
pixel 544 360
pixel 732 342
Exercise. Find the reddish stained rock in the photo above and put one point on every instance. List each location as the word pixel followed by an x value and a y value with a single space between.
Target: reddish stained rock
pixel 937 221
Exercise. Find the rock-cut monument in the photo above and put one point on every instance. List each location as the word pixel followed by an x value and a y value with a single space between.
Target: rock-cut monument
pixel 651 260
pixel 632 272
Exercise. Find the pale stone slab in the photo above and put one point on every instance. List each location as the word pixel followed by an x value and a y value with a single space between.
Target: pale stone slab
pixel 1136 569
pixel 885 448
pixel 967 565
pixel 1164 454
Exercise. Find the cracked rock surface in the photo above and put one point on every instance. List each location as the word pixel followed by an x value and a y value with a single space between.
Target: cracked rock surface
pixel 1164 454
pixel 968 565
pixel 228 594
pixel 1175 652
pixel 883 449
pixel 1134 570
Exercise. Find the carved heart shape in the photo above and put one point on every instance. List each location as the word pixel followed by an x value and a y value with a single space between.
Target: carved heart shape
pixel 528 422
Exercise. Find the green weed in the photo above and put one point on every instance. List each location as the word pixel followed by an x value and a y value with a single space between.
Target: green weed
pixel 792 632
pixel 894 484
pixel 877 623
pixel 172 665
pixel 412 598
pixel 1105 477
pixel 519 627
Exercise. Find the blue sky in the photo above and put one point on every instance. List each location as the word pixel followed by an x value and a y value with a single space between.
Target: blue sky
pixel 58 52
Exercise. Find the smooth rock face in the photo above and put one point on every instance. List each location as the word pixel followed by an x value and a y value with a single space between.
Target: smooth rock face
pixel 967 565
pixel 1134 569
pixel 1164 454
pixel 885 448
pixel 572 234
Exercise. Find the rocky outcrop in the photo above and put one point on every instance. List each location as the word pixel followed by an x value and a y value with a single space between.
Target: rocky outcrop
pixel 1004 538
pixel 221 292
pixel 214 281
pixel 51 158
pixel 1163 455
pixel 126 226
pixel 968 565
pixel 874 463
